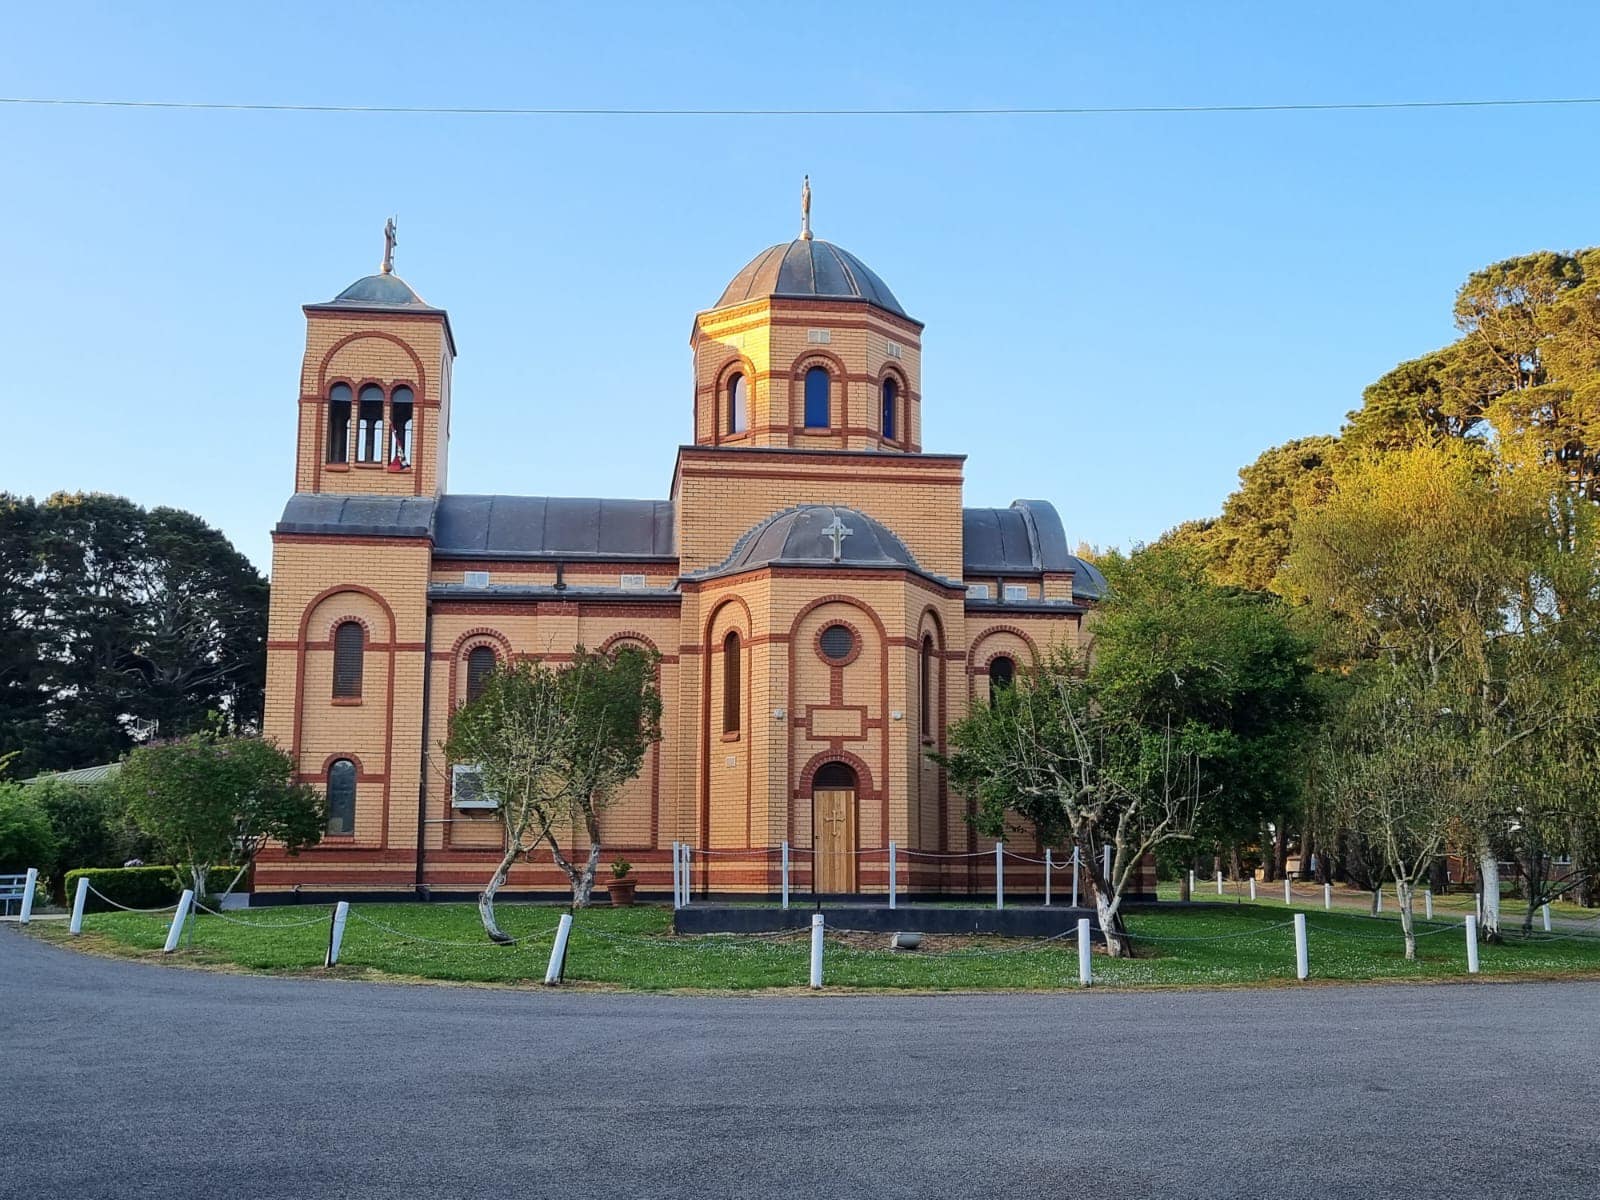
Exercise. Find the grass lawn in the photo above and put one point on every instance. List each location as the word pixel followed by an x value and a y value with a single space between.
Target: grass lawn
pixel 1233 944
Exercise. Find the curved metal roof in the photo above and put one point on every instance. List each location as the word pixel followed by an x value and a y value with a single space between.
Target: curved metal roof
pixel 386 291
pixel 552 527
pixel 808 269
pixel 1026 538
pixel 797 537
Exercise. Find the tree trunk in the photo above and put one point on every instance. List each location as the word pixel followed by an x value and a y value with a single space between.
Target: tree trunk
pixel 1403 890
pixel 1373 910
pixel 1489 883
pixel 582 881
pixel 1280 849
pixel 197 874
pixel 486 897
pixel 1308 854
pixel 1235 867
pixel 1439 876
pixel 1183 887
pixel 1109 910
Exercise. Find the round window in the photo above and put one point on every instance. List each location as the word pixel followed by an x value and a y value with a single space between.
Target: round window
pixel 837 643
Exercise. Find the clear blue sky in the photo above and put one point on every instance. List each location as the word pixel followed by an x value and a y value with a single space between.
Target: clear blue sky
pixel 1121 310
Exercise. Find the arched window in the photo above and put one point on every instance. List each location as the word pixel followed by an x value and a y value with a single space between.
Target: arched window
pixel 369 425
pixel 1002 671
pixel 400 407
pixel 834 776
pixel 890 394
pixel 481 663
pixel 339 423
pixel 349 649
pixel 341 796
pixel 730 682
pixel 926 678
pixel 738 404
pixel 817 380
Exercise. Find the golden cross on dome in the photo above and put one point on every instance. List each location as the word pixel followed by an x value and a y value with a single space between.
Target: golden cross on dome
pixel 836 533
pixel 805 209
pixel 389 230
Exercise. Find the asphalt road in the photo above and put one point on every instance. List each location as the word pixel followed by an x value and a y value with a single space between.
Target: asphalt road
pixel 123 1079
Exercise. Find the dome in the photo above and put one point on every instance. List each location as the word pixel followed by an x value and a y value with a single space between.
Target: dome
pixel 381 291
pixel 809 269
pixel 803 536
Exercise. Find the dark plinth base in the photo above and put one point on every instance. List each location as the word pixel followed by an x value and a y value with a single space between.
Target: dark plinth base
pixel 1032 921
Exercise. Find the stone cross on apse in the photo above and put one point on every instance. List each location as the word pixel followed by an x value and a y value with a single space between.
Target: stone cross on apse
pixel 836 533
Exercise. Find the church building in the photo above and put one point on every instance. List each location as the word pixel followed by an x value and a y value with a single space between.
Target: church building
pixel 823 605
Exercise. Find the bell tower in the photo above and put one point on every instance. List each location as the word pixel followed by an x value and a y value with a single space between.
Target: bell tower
pixel 375 389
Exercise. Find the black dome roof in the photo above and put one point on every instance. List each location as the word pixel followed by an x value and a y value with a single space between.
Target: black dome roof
pixel 807 268
pixel 381 291
pixel 796 536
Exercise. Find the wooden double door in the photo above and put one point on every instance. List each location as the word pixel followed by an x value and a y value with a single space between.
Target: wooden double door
pixel 833 824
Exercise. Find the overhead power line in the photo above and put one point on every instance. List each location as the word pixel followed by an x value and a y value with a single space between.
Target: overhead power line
pixel 989 111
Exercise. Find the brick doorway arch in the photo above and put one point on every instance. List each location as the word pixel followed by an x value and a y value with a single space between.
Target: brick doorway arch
pixel 835 829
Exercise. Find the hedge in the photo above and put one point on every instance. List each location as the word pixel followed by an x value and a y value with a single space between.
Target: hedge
pixel 135 887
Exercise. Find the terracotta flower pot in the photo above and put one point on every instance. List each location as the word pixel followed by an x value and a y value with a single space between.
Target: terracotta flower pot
pixel 622 892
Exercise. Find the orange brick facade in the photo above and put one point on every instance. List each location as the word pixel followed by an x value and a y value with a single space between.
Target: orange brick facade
pixel 430 577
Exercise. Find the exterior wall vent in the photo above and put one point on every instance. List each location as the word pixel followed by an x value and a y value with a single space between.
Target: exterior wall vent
pixel 819 337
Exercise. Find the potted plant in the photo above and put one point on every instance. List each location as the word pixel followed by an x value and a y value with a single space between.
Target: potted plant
pixel 622 883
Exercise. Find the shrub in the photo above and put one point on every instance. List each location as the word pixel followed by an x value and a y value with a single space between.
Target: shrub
pixel 26 839
pixel 90 827
pixel 135 887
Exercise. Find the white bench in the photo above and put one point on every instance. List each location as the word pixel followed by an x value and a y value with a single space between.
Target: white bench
pixel 12 889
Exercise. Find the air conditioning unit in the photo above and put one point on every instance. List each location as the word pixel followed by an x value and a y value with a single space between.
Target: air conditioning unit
pixel 476 579
pixel 466 787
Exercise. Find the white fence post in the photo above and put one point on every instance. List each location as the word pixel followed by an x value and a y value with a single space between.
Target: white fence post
pixel 1219 883
pixel 1074 877
pixel 25 914
pixel 78 901
pixel 1286 892
pixel 1191 885
pixel 178 917
pixel 1546 910
pixel 1327 897
pixel 677 883
pixel 1472 945
pixel 999 875
pixel 1478 897
pixel 891 872
pixel 816 950
pixel 1049 869
pixel 1085 953
pixel 688 867
pixel 558 951
pixel 1302 963
pixel 1378 892
pixel 786 872
pixel 1427 902
pixel 1252 887
pixel 341 914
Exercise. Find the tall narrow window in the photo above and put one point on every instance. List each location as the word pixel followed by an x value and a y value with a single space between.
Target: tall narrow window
pixel 400 406
pixel 890 390
pixel 730 682
pixel 738 404
pixel 339 423
pixel 1002 671
pixel 927 686
pixel 349 649
pixel 817 381
pixel 369 425
pixel 480 665
pixel 341 796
